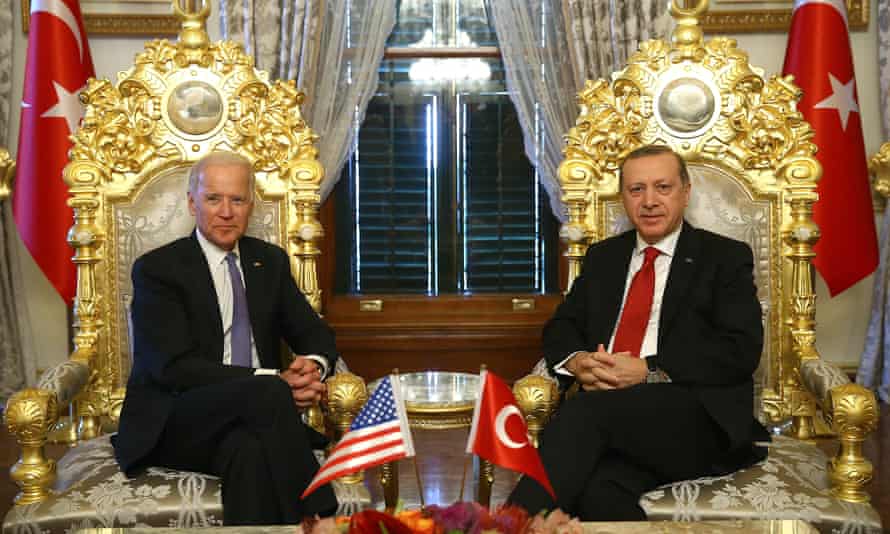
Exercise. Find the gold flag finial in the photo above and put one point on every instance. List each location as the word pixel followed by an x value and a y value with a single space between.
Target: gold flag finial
pixel 688 38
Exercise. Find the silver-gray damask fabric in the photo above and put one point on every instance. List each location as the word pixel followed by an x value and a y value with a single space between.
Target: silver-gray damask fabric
pixel 332 49
pixel 874 369
pixel 13 376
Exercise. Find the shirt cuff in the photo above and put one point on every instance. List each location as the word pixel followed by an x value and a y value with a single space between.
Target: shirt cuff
pixel 560 368
pixel 322 362
pixel 263 371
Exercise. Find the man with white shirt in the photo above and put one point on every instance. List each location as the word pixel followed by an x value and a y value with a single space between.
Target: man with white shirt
pixel 662 333
pixel 208 391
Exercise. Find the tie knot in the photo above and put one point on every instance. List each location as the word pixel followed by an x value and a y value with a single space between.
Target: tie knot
pixel 651 253
pixel 232 259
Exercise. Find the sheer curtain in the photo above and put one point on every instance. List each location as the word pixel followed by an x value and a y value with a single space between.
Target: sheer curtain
pixel 874 368
pixel 332 49
pixel 543 78
pixel 11 360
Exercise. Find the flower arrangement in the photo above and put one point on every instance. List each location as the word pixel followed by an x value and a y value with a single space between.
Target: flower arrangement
pixel 459 518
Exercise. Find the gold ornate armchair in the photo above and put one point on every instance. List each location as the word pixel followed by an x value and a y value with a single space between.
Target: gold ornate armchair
pixel 754 179
pixel 128 176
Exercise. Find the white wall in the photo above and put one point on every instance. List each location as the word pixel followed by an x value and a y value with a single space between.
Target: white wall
pixel 842 320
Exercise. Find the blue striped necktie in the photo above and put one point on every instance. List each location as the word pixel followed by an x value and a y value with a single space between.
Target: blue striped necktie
pixel 240 333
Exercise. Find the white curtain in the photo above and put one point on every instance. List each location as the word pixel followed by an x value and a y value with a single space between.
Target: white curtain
pixel 874 368
pixel 550 47
pixel 332 48
pixel 12 377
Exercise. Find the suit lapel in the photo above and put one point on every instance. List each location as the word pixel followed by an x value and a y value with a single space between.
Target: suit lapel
pixel 613 278
pixel 203 286
pixel 683 268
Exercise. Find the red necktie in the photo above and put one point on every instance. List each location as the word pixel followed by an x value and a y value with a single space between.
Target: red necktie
pixel 635 316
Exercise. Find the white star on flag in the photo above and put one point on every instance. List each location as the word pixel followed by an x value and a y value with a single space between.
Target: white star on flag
pixel 67 107
pixel 842 99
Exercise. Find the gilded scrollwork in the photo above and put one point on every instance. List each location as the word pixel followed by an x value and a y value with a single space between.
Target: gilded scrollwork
pixel 29 416
pixel 347 394
pixel 537 397
pixel 7 173
pixel 853 412
pixel 880 168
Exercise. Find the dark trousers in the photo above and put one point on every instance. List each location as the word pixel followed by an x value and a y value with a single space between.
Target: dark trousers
pixel 603 449
pixel 249 433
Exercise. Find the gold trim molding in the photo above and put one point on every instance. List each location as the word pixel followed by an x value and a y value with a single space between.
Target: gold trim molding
pixel 118 23
pixel 773 20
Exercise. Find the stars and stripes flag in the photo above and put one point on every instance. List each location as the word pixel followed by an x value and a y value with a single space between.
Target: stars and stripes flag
pixel 821 60
pixel 378 434
pixel 57 69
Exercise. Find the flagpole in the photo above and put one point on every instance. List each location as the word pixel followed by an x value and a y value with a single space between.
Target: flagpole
pixel 395 374
pixel 463 478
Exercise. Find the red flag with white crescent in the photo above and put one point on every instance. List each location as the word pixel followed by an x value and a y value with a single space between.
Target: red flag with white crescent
pixel 821 60
pixel 499 433
pixel 58 66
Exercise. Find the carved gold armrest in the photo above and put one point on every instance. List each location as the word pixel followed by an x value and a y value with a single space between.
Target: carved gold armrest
pixel 347 393
pixel 29 416
pixel 852 411
pixel 537 396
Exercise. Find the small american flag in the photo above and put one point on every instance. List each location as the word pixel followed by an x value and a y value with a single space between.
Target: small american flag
pixel 379 434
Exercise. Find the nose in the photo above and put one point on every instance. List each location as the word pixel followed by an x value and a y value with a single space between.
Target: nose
pixel 649 197
pixel 225 209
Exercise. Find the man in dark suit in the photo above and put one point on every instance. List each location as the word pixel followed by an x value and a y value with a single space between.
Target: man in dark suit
pixel 207 391
pixel 662 333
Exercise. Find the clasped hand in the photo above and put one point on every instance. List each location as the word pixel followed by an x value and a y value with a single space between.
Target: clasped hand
pixel 601 370
pixel 304 378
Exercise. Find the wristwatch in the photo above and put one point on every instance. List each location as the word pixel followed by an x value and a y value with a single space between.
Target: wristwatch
pixel 655 374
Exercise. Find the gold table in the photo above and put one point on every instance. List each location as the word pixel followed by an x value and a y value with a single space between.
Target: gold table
pixel 436 400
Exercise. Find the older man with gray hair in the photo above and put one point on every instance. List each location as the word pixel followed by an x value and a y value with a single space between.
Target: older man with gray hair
pixel 208 391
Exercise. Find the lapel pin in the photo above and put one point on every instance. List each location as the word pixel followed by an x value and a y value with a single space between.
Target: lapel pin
pixel 688 260
pixel 257 264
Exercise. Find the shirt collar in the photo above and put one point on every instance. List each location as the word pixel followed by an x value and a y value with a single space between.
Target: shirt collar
pixel 667 245
pixel 213 253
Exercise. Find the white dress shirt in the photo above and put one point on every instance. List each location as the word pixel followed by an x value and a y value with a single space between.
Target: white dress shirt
pixel 222 283
pixel 666 246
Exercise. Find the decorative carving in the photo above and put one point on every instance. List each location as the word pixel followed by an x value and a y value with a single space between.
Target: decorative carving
pixel 347 394
pixel 537 397
pixel 879 165
pixel 7 173
pixel 854 414
pixel 486 481
pixel 29 415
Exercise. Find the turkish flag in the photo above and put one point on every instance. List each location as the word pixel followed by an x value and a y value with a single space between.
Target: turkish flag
pixel 499 434
pixel 57 68
pixel 820 58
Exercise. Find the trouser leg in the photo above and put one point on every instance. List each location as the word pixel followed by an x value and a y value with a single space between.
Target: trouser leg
pixel 262 408
pixel 660 428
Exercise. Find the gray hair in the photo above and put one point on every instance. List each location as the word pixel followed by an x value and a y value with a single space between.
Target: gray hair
pixel 221 159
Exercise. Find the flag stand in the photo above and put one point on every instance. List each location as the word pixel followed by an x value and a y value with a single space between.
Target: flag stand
pixel 463 478
pixel 398 383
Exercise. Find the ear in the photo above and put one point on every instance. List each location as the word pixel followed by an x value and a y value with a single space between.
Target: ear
pixel 191 202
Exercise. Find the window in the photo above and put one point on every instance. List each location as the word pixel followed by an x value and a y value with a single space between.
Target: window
pixel 439 197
